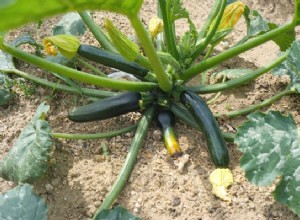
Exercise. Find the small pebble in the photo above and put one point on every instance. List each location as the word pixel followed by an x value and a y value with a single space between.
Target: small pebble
pixel 49 187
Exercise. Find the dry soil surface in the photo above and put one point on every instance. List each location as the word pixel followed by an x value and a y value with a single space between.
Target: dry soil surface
pixel 80 177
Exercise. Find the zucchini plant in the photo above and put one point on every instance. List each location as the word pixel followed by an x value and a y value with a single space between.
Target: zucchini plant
pixel 162 92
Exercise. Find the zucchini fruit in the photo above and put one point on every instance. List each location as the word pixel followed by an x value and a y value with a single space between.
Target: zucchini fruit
pixel 107 108
pixel 112 60
pixel 208 124
pixel 166 121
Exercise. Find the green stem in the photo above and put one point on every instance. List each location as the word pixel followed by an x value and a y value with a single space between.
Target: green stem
pixel 91 67
pixel 183 114
pixel 235 82
pixel 56 86
pixel 259 105
pixel 95 136
pixel 168 30
pixel 78 75
pixel 97 32
pixel 129 162
pixel 162 77
pixel 201 47
pixel 213 61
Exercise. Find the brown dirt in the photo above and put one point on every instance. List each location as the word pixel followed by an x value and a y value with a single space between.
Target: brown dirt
pixel 79 177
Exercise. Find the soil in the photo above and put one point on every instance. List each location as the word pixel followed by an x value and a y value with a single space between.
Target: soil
pixel 79 176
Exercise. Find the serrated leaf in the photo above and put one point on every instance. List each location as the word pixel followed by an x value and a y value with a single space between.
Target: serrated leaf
pixel 19 12
pixel 71 23
pixel 22 203
pixel 291 66
pixel 257 25
pixel 6 61
pixel 271 146
pixel 118 213
pixel 28 158
pixel 24 39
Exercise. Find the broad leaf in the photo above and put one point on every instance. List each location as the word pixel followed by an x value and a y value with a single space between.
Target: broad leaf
pixel 5 96
pixel 271 147
pixel 24 39
pixel 19 12
pixel 6 61
pixel 22 203
pixel 71 23
pixel 257 25
pixel 28 158
pixel 118 213
pixel 291 66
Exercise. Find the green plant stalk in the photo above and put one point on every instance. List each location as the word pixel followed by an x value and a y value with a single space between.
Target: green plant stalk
pixel 91 67
pixel 262 104
pixel 235 82
pixel 97 32
pixel 162 77
pixel 201 47
pixel 57 86
pixel 168 30
pixel 213 61
pixel 78 75
pixel 213 13
pixel 183 114
pixel 95 136
pixel 130 160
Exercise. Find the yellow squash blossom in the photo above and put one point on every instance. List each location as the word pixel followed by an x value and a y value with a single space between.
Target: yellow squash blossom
pixel 156 26
pixel 231 15
pixel 64 43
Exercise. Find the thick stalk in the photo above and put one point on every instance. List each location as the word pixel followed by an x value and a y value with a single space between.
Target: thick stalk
pixel 97 32
pixel 57 86
pixel 260 105
pixel 162 77
pixel 226 55
pixel 235 82
pixel 201 47
pixel 129 162
pixel 94 136
pixel 168 30
pixel 213 13
pixel 78 75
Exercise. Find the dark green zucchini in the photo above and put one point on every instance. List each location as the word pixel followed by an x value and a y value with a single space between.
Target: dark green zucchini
pixel 107 108
pixel 111 60
pixel 208 124
pixel 166 121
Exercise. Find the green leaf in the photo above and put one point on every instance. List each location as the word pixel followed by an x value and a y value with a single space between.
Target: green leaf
pixel 297 12
pixel 5 96
pixel 28 158
pixel 71 23
pixel 24 39
pixel 22 203
pixel 118 213
pixel 6 61
pixel 19 12
pixel 291 66
pixel 257 25
pixel 271 147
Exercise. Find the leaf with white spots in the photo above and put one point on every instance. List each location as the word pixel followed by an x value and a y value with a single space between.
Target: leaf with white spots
pixel 22 203
pixel 271 146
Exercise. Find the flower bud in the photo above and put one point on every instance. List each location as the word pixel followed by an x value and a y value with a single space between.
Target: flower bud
pixel 128 49
pixel 156 26
pixel 66 44
pixel 231 15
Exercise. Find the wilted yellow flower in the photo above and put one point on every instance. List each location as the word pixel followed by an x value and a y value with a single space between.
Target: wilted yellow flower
pixel 66 44
pixel 221 179
pixel 156 26
pixel 231 15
